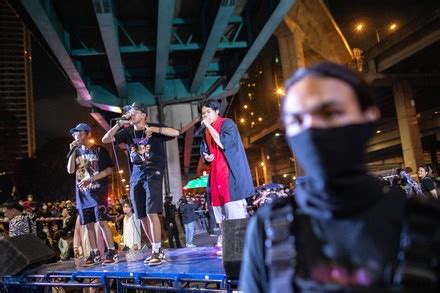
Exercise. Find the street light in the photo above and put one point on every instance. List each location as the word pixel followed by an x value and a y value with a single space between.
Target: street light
pixel 280 91
pixel 393 27
pixel 360 27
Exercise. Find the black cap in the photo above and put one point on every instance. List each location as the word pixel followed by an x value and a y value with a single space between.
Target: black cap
pixel 136 106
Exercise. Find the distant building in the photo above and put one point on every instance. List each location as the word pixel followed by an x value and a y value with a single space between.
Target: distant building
pixel 16 96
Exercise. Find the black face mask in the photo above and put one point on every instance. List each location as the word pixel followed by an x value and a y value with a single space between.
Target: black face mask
pixel 333 160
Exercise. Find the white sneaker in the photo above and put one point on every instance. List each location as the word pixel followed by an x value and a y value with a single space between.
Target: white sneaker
pixel 219 241
pixel 190 245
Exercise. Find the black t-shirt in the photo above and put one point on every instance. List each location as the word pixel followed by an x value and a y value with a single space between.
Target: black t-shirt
pixel 89 162
pixel 427 185
pixel 146 153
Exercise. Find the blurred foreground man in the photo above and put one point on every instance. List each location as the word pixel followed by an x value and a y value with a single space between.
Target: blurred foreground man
pixel 343 230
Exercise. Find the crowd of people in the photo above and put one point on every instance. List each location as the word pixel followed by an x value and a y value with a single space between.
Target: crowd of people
pixel 58 225
pixel 423 184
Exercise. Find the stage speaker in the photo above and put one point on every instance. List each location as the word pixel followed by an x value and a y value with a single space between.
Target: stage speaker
pixel 22 252
pixel 234 232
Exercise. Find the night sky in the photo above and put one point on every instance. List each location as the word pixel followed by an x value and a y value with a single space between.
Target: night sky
pixel 56 109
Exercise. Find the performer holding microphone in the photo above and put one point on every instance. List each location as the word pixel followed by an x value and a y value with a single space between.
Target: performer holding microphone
pixel 147 154
pixel 230 180
pixel 92 165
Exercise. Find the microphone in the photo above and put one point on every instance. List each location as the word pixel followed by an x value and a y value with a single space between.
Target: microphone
pixel 200 130
pixel 126 116
pixel 72 150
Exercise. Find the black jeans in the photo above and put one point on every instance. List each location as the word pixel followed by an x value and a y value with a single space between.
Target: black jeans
pixel 173 234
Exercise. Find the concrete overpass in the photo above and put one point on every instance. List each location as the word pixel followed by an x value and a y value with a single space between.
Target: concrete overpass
pixel 167 54
pixel 403 73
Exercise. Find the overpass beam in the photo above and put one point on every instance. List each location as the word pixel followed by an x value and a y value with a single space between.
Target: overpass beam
pixel 268 29
pixel 219 26
pixel 164 27
pixel 290 42
pixel 50 34
pixel 107 26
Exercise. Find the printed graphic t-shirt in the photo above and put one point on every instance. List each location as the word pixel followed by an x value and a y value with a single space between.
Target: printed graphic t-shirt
pixel 146 153
pixel 89 162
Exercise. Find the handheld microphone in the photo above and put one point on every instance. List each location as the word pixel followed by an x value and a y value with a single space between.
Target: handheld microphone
pixel 73 149
pixel 126 116
pixel 200 130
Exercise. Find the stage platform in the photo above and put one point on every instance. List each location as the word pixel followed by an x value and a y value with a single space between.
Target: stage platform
pixel 185 269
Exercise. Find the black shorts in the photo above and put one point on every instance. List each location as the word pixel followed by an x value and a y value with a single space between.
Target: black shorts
pixel 93 214
pixel 146 195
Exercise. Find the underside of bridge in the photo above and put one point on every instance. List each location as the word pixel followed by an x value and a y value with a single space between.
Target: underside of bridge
pixel 157 52
pixel 161 53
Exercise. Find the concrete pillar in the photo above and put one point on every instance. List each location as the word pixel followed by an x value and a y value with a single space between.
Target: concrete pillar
pixel 257 177
pixel 173 166
pixel 267 166
pixel 290 42
pixel 408 125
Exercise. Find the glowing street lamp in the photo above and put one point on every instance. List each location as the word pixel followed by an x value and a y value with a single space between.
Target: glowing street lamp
pixel 280 91
pixel 359 27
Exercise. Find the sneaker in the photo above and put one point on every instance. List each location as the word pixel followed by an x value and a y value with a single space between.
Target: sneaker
pixel 219 241
pixel 190 245
pixel 109 257
pixel 161 255
pixel 212 235
pixel 92 259
pixel 156 259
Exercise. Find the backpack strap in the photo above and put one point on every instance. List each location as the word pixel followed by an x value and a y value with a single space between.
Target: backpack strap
pixel 280 245
pixel 418 261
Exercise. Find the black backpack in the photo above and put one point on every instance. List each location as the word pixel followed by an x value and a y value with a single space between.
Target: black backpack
pixel 416 267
